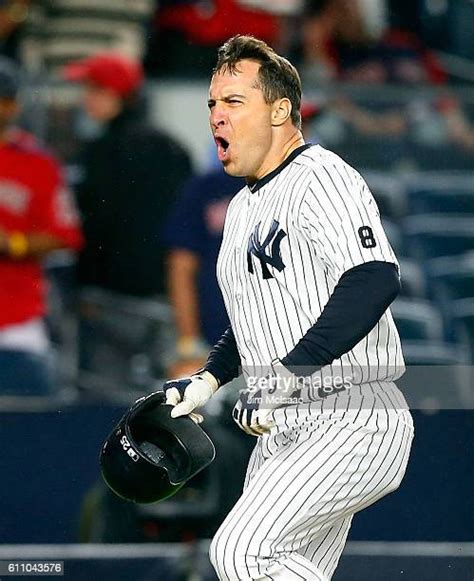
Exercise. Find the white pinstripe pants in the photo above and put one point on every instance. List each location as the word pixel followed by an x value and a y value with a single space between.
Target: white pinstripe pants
pixel 305 480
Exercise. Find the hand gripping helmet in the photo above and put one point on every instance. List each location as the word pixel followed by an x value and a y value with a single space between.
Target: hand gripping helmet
pixel 150 455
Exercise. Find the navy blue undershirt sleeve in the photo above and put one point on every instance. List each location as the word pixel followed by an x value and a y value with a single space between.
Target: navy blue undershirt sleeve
pixel 360 298
pixel 224 359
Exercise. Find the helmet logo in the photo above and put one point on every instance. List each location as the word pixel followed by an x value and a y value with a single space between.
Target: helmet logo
pixel 127 448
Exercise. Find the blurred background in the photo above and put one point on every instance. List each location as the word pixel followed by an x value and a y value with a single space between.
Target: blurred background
pixel 110 98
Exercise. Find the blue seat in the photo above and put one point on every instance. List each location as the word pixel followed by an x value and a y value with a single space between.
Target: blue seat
pixel 423 352
pixel 443 200
pixel 395 236
pixel 430 235
pixel 438 375
pixel 413 280
pixel 463 312
pixel 454 275
pixel 389 193
pixel 417 319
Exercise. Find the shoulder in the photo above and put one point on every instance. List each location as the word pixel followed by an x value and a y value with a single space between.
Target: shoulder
pixel 317 158
pixel 34 153
pixel 326 171
pixel 28 144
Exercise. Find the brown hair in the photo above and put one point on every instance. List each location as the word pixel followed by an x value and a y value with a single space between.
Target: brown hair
pixel 277 77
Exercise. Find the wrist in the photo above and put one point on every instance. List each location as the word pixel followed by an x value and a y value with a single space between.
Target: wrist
pixel 209 379
pixel 17 245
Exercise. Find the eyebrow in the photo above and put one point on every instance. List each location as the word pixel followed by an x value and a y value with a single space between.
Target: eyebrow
pixel 226 99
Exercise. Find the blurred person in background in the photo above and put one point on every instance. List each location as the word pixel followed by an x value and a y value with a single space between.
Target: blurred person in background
pixel 287 14
pixel 325 23
pixel 187 32
pixel 13 15
pixel 55 32
pixel 193 235
pixel 130 174
pixel 37 216
pixel 342 41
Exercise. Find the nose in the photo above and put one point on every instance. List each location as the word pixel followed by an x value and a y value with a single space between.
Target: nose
pixel 217 116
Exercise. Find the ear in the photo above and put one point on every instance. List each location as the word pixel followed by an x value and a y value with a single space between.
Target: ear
pixel 281 111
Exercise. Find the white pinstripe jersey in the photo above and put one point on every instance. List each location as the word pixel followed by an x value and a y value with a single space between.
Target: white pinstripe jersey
pixel 287 241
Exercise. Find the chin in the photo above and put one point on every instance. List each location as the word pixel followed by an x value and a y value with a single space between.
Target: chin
pixel 231 171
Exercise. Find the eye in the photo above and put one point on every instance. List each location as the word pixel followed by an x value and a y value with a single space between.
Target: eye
pixel 234 101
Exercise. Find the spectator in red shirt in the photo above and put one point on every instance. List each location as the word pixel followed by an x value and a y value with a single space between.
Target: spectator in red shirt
pixel 337 45
pixel 36 217
pixel 188 33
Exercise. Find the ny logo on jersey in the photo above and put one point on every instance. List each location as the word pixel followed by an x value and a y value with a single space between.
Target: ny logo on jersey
pixel 274 237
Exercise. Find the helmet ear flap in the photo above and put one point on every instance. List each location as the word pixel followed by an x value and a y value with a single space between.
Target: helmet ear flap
pixel 150 455
pixel 159 445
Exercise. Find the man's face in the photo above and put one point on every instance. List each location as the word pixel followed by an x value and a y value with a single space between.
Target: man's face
pixel 241 121
pixel 101 104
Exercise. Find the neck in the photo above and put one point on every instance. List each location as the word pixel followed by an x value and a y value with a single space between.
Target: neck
pixel 294 141
pixel 279 152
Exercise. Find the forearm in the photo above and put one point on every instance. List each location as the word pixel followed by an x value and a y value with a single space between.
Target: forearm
pixel 223 361
pixel 22 246
pixel 182 270
pixel 359 299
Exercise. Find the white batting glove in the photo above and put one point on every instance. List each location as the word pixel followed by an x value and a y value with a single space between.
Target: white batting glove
pixel 190 393
pixel 249 417
pixel 254 408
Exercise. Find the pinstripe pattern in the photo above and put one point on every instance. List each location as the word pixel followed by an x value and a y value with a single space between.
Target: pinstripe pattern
pixel 329 458
pixel 300 496
pixel 320 202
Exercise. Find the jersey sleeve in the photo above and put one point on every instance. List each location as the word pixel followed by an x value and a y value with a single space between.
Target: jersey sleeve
pixel 340 216
pixel 54 211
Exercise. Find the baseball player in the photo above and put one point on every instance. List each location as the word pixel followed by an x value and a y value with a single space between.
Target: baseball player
pixel 307 277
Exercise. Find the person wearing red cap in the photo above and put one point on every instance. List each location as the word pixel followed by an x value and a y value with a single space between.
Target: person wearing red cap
pixel 130 175
pixel 111 80
pixel 37 216
pixel 118 73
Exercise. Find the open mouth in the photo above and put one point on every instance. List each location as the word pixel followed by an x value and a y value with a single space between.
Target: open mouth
pixel 222 148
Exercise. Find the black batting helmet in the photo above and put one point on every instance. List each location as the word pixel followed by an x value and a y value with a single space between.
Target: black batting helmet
pixel 150 455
